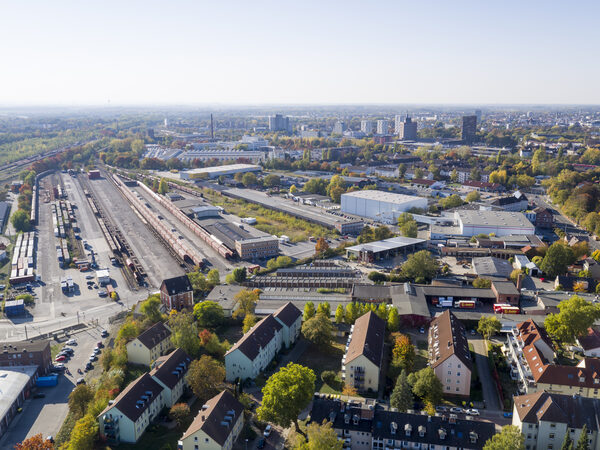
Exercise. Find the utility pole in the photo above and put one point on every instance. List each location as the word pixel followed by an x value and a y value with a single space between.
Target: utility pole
pixel 26 338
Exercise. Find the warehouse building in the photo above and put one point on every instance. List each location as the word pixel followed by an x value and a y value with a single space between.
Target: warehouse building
pixel 15 386
pixel 216 172
pixel 257 247
pixel 380 205
pixel 388 248
pixel 501 223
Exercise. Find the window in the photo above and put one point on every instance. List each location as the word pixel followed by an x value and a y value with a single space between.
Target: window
pixel 459 366
pixel 550 446
pixel 447 388
pixel 457 389
pixel 449 372
pixel 551 436
pixel 552 425
pixel 448 380
pixel 458 374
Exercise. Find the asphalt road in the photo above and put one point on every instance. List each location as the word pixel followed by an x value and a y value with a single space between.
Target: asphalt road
pixel 46 415
pixel 490 393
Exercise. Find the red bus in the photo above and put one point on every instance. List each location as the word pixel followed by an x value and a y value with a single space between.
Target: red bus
pixel 465 304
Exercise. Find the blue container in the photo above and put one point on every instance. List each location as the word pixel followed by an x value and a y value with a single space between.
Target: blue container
pixel 49 381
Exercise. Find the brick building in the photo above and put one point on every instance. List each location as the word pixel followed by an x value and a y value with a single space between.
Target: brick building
pixel 177 293
pixel 26 353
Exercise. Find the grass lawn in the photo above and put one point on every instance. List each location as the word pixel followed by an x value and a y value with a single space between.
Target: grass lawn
pixel 321 359
pixel 229 333
pixel 422 356
pixel 54 350
pixel 156 436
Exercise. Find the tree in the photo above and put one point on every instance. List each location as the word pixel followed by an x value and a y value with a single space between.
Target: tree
pixel 408 225
pixel 557 259
pixel 510 438
pixel 349 391
pixel 382 311
pixel 309 311
pixel 209 314
pixel 318 437
pixel 286 393
pixel 184 332
pixel 514 275
pixel 318 330
pixel 293 189
pixel 163 186
pixel 321 247
pixel 127 332
pixel 213 277
pixel 151 308
pixel 28 299
pixel 79 399
pixel 249 322
pixel 180 413
pixel 402 397
pixel 426 385
pixel 324 308
pixel 245 302
pixel 393 319
pixel 352 312
pixel 420 267
pixel 488 326
pixel 567 442
pixel 403 353
pixel 579 286
pixel 271 180
pixel 454 176
pixel 204 376
pixel 36 442
pixel 482 283
pixel 199 282
pixel 83 434
pixel 583 441
pixel 237 276
pixel 574 318
pixel 20 220
pixel 339 313
pixel 377 277
pixel 336 187
pixel 249 179
pixel 473 196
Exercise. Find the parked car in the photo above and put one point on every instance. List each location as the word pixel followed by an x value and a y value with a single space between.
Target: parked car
pixel 99 344
pixel 80 381
pixel 441 409
pixel 72 342
pixel 60 358
pixel 472 412
pixel 96 351
pixel 456 409
pixel 93 358
pixel 102 293
pixel 50 438
pixel 267 431
pixel 69 350
pixel 104 333
pixel 261 443
pixel 39 395
pixel 508 415
pixel 89 366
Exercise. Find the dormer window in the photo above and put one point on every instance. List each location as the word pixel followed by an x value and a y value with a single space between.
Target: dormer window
pixel 355 419
pixel 582 379
pixel 408 429
pixel 421 431
pixel 393 427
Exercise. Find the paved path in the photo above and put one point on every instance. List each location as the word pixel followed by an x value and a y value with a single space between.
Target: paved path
pixel 488 385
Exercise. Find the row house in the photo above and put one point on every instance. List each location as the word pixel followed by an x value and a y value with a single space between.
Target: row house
pixel 150 345
pixel 126 418
pixel 256 349
pixel 366 427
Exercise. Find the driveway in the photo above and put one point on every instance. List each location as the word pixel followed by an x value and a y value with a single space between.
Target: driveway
pixel 490 393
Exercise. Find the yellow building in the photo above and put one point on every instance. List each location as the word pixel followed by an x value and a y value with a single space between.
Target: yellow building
pixel 150 345
pixel 364 354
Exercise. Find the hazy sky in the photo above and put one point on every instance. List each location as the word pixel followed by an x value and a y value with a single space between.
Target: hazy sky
pixel 219 51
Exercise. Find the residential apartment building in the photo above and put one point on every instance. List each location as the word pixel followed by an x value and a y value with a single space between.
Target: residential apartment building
pixel 366 427
pixel 217 425
pixel 531 355
pixel 469 129
pixel 279 122
pixel 366 126
pixel 543 217
pixel 545 419
pixel 361 364
pixel 126 417
pixel 449 354
pixel 256 349
pixel 383 126
pixel 177 293
pixel 257 247
pixel 406 129
pixel 169 371
pixel 27 353
pixel 151 344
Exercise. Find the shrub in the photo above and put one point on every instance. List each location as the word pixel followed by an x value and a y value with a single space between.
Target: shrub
pixel 328 377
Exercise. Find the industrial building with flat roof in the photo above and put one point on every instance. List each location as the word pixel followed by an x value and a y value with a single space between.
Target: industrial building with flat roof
pixel 501 223
pixel 216 172
pixel 387 248
pixel 15 385
pixel 380 205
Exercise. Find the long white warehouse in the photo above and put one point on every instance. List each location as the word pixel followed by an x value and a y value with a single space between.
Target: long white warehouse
pixel 501 223
pixel 380 205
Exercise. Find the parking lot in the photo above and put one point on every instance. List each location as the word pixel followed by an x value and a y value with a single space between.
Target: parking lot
pixel 46 415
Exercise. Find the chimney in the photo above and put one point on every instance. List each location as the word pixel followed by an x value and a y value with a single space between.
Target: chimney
pixel 519 281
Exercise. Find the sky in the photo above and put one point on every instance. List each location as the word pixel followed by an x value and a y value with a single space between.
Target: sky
pixel 175 52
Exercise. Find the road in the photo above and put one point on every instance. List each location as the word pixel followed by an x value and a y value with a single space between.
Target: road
pixel 46 415
pixel 154 257
pixel 490 393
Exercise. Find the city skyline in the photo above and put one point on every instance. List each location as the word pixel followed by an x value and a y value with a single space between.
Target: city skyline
pixel 334 53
